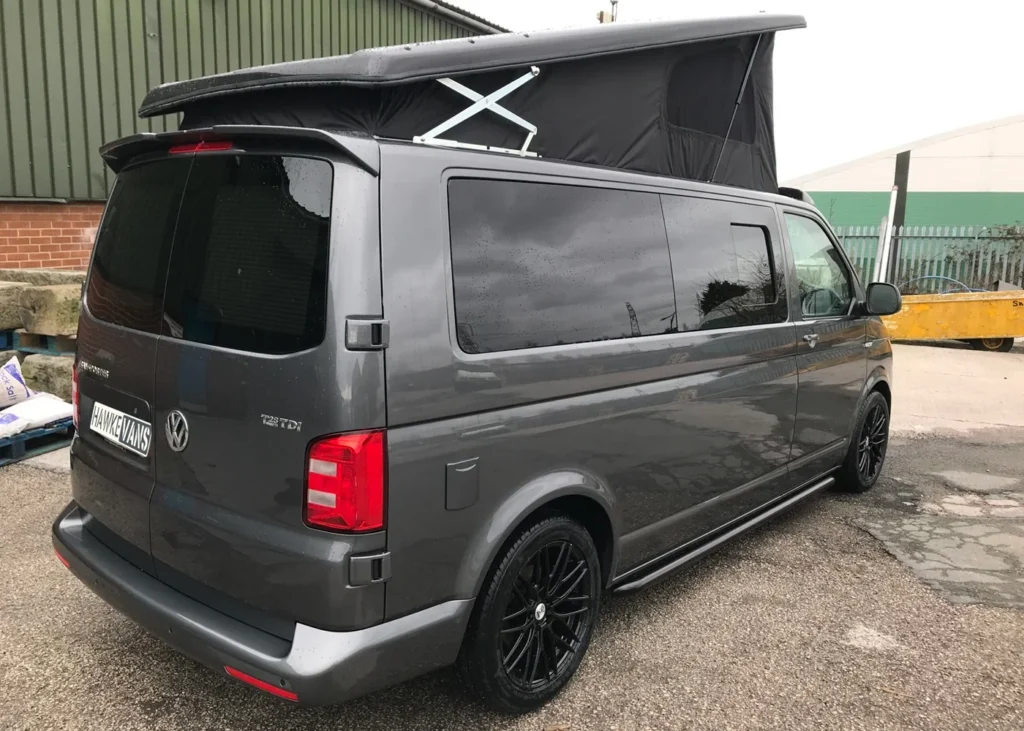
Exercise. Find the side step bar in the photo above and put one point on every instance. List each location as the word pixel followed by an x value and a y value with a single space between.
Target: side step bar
pixel 720 540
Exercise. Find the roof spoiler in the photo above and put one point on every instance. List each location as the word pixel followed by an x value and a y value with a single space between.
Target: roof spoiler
pixel 364 151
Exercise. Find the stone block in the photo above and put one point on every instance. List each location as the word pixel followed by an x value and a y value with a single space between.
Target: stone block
pixel 51 309
pixel 49 373
pixel 11 314
pixel 42 276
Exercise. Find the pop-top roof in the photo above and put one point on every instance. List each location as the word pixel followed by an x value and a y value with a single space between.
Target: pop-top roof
pixel 379 67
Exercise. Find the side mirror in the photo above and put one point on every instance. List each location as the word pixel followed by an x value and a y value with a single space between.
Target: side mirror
pixel 883 299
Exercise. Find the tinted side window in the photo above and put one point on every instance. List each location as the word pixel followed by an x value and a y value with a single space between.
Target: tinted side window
pixel 129 267
pixel 539 264
pixel 825 286
pixel 725 272
pixel 249 269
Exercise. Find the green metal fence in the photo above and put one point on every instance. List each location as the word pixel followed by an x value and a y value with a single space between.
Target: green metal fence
pixel 72 72
pixel 941 258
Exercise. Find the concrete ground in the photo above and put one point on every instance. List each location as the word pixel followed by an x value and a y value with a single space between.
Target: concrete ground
pixel 955 389
pixel 891 610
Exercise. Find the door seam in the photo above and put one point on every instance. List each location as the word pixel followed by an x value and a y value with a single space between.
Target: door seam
pixel 156 359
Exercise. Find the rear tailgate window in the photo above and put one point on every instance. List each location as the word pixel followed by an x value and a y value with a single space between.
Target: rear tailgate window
pixel 224 250
pixel 129 267
pixel 249 268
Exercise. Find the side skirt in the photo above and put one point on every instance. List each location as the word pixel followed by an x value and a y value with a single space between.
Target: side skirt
pixel 661 571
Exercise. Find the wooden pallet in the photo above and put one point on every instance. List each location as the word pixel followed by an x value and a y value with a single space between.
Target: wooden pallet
pixel 36 441
pixel 32 343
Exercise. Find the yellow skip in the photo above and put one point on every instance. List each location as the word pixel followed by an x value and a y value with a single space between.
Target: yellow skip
pixel 961 316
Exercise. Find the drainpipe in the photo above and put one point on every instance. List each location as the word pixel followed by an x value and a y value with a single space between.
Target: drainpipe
pixel 456 16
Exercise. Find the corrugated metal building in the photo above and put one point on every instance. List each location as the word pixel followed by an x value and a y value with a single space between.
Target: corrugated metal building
pixel 72 73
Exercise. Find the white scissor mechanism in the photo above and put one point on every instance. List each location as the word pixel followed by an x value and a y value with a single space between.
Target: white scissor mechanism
pixel 480 103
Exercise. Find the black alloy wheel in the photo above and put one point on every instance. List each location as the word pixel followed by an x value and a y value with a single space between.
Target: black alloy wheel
pixel 534 616
pixel 868 444
pixel 872 442
pixel 549 611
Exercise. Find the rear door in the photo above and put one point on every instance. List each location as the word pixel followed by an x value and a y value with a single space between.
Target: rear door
pixel 831 356
pixel 252 365
pixel 113 466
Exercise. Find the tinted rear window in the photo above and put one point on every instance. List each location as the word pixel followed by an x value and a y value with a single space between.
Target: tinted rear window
pixel 248 266
pixel 130 264
pixel 538 264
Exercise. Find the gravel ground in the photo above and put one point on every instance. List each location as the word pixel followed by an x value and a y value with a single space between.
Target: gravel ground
pixel 805 624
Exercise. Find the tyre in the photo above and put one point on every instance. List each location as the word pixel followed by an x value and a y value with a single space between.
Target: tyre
pixel 993 345
pixel 534 617
pixel 868 445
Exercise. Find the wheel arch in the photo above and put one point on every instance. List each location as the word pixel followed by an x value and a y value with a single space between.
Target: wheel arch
pixel 878 380
pixel 569 492
pixel 883 387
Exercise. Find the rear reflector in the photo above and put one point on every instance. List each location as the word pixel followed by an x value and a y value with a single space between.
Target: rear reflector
pixel 345 483
pixel 74 394
pixel 61 558
pixel 200 147
pixel 257 683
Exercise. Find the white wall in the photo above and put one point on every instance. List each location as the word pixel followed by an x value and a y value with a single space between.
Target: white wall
pixel 987 158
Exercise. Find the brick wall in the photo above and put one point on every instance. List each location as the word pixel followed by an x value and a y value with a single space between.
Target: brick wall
pixel 47 235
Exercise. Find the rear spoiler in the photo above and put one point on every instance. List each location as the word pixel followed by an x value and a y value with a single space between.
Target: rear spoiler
pixel 364 151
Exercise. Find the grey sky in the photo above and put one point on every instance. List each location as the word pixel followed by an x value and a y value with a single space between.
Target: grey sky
pixel 863 77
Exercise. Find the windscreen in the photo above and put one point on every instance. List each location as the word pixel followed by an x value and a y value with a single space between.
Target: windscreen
pixel 225 250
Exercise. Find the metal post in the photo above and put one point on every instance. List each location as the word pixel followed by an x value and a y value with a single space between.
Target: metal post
pixel 879 246
pixel 603 16
pixel 885 244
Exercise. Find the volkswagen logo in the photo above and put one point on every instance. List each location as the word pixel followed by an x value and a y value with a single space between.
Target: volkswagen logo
pixel 176 430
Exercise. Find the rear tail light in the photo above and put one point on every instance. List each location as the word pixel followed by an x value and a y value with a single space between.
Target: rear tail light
pixel 61 559
pixel 345 482
pixel 261 684
pixel 74 394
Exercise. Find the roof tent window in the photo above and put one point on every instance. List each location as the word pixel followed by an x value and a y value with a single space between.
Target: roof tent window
pixel 697 98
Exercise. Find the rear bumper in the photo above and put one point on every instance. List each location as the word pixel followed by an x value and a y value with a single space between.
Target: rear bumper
pixel 318 666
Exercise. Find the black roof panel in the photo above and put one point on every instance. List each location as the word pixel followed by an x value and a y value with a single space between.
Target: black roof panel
pixel 416 62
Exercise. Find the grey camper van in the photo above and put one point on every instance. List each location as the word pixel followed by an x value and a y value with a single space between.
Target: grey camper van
pixel 403 359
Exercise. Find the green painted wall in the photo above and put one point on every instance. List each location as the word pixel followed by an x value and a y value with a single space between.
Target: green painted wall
pixel 72 72
pixel 930 209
